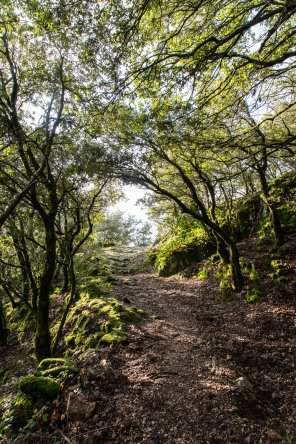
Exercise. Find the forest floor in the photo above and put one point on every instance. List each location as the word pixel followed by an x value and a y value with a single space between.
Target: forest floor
pixel 196 370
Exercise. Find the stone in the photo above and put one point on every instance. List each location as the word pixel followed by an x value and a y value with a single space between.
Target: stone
pixel 273 434
pixel 78 409
pixel 245 384
pixel 39 387
pixel 74 387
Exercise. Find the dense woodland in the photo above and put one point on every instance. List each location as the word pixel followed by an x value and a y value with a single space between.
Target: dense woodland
pixel 192 101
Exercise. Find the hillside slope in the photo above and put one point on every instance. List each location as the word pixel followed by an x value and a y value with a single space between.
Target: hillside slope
pixel 197 370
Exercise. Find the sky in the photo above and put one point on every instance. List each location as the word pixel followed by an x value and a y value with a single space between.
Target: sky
pixel 129 205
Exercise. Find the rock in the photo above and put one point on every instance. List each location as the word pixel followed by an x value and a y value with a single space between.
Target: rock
pixel 97 439
pixel 74 387
pixel 55 368
pixel 245 384
pixel 272 434
pixel 78 408
pixel 39 387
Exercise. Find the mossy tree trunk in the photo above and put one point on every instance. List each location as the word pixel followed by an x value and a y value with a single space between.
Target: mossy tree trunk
pixel 65 286
pixel 22 262
pixel 272 206
pixel 70 300
pixel 42 336
pixel 222 250
pixel 3 326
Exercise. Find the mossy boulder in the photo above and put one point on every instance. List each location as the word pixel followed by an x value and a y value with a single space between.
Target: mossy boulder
pixel 111 324
pixel 132 315
pixel 93 318
pixel 113 337
pixel 39 387
pixel 55 368
pixel 182 257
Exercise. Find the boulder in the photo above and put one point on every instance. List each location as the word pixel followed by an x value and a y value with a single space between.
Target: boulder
pixel 39 387
pixel 78 409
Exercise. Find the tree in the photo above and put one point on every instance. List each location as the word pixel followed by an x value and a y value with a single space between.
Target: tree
pixel 116 229
pixel 45 101
pixel 175 161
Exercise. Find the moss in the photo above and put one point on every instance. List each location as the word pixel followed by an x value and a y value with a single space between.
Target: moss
pixel 113 337
pixel 279 274
pixel 51 363
pixel 131 315
pixel 54 367
pixel 94 287
pixel 39 387
pixel 111 279
pixel 59 372
pixel 93 318
pixel 112 323
pixel 21 411
pixel 86 353
pixel 253 295
pixel 142 312
pixel 117 306
pixel 90 343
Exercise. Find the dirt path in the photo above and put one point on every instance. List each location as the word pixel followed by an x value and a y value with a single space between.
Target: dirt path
pixel 196 370
pixel 206 371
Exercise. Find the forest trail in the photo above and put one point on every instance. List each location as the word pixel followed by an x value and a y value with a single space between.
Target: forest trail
pixel 195 370
pixel 200 370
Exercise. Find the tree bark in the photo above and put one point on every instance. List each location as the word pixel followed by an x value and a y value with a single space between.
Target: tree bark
pixel 3 327
pixel 42 336
pixel 238 279
pixel 65 286
pixel 68 305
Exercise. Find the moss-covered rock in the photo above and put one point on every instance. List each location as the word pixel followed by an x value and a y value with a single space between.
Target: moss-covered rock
pixel 113 337
pixel 51 363
pixel 93 318
pixel 131 315
pixel 39 387
pixel 180 258
pixel 55 368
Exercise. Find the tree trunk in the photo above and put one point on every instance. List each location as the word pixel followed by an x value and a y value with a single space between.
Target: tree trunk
pixel 277 228
pixel 238 279
pixel 225 240
pixel 3 327
pixel 34 288
pixel 65 286
pixel 22 262
pixel 222 250
pixel 68 305
pixel 42 337
pixel 278 231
